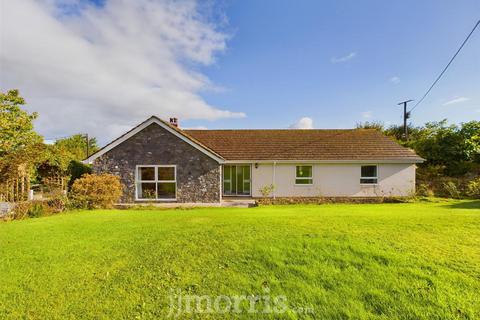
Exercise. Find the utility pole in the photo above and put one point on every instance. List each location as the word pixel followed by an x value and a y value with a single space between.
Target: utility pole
pixel 406 115
pixel 88 150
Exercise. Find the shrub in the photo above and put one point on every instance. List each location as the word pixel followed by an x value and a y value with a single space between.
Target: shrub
pixel 37 209
pixel 451 190
pixel 20 210
pixel 93 191
pixel 58 203
pixel 473 188
pixel 76 169
pixel 30 209
pixel 423 190
pixel 267 190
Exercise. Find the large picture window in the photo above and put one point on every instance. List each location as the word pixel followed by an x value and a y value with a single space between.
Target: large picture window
pixel 369 175
pixel 303 175
pixel 156 182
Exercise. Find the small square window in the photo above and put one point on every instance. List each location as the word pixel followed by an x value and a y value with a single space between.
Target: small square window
pixel 303 175
pixel 369 175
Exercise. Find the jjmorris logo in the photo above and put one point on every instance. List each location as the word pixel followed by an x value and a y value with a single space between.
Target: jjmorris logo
pixel 183 303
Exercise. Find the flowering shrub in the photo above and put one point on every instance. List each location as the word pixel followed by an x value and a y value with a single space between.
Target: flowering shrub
pixel 93 191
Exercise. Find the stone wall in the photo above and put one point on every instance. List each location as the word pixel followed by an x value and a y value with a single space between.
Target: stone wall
pixel 327 200
pixel 198 176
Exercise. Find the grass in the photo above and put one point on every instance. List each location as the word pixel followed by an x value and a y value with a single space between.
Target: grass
pixel 380 261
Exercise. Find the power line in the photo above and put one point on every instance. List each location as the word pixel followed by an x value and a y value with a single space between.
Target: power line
pixel 448 65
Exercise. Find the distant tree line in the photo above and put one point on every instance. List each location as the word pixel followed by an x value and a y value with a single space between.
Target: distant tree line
pixel 449 149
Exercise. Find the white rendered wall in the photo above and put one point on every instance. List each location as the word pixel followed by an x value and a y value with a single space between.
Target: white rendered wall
pixel 335 180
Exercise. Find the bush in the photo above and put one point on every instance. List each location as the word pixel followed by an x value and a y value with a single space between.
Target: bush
pixel 58 203
pixel 76 169
pixel 30 209
pixel 267 190
pixel 20 210
pixel 37 209
pixel 473 188
pixel 93 191
pixel 423 190
pixel 451 190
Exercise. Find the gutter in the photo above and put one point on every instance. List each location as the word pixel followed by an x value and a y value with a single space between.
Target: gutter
pixel 273 178
pixel 368 161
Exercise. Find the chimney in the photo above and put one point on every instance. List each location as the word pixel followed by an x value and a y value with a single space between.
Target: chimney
pixel 174 122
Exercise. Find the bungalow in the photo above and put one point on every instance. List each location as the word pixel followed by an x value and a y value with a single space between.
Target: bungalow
pixel 158 161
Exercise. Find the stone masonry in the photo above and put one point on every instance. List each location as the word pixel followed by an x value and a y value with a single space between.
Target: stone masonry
pixel 198 175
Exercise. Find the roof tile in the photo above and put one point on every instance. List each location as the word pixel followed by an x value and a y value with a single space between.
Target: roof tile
pixel 293 144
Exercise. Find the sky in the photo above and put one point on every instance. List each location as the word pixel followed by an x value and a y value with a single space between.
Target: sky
pixel 104 66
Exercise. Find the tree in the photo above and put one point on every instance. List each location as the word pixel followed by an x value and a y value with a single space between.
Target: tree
pixel 470 132
pixel 16 125
pixel 77 169
pixel 20 147
pixel 398 132
pixel 451 146
pixel 76 146
pixel 377 125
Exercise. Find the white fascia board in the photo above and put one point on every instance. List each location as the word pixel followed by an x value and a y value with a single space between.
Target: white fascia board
pixel 140 128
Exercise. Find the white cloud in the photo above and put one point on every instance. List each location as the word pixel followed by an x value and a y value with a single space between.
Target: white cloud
pixel 456 100
pixel 346 58
pixel 395 80
pixel 366 114
pixel 303 123
pixel 95 69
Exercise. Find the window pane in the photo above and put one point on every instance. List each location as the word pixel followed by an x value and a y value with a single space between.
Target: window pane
pixel 246 187
pixel 166 173
pixel 226 187
pixel 304 171
pixel 369 171
pixel 146 190
pixel 303 181
pixel 226 172
pixel 239 180
pixel 234 180
pixel 368 181
pixel 147 173
pixel 166 190
pixel 246 173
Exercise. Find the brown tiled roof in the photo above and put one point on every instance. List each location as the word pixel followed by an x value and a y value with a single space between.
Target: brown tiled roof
pixel 290 144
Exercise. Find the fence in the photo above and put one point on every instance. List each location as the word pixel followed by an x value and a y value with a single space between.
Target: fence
pixel 14 190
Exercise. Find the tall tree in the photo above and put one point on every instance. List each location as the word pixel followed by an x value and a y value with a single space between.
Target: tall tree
pixel 16 125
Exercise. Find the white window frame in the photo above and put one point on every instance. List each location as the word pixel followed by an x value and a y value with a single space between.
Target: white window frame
pixel 376 177
pixel 156 181
pixel 303 178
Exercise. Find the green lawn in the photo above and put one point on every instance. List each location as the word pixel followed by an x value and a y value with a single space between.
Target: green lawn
pixel 384 261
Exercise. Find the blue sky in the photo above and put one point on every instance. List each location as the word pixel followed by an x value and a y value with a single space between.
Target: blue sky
pixel 104 66
pixel 278 66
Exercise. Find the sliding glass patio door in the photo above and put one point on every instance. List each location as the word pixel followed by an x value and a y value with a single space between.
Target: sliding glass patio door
pixel 236 180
